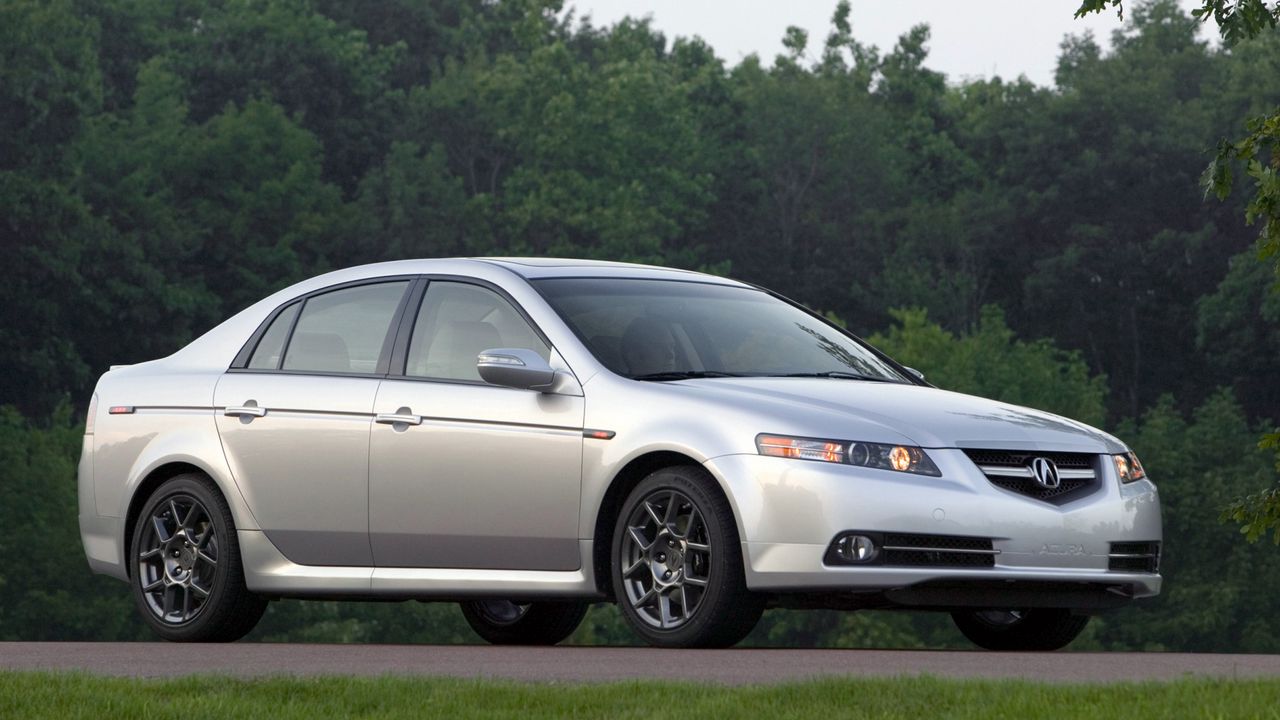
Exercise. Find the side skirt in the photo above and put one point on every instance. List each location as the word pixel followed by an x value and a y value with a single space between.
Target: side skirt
pixel 269 572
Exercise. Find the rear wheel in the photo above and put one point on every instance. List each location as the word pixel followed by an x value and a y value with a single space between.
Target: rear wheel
pixel 502 622
pixel 1035 629
pixel 185 568
pixel 677 563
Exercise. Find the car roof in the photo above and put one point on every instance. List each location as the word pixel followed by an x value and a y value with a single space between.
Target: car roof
pixel 218 346
pixel 536 268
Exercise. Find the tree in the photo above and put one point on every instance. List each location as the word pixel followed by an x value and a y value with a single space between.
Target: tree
pixel 46 591
pixel 205 217
pixel 1201 460
pixel 1238 330
pixel 1259 153
pixel 992 362
pixel 819 160
pixel 599 156
pixel 413 206
pixel 50 87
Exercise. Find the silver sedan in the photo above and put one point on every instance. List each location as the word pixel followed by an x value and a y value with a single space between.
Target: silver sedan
pixel 529 436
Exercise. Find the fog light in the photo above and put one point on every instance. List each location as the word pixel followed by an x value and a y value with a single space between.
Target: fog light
pixel 856 549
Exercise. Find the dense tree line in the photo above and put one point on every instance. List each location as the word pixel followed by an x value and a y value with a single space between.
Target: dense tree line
pixel 163 164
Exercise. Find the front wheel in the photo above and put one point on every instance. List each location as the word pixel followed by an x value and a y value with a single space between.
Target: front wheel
pixel 1040 629
pixel 503 622
pixel 677 563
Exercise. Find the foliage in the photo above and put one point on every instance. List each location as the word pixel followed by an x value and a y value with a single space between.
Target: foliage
pixel 208 153
pixel 1259 512
pixel 46 591
pixel 1259 153
pixel 1238 330
pixel 1236 19
pixel 991 362
pixel 1201 461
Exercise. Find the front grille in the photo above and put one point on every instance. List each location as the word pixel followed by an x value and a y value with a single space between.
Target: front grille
pixel 1074 461
pixel 1134 557
pixel 1011 470
pixel 937 551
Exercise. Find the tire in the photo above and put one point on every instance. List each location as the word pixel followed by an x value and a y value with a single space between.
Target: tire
pixel 675 546
pixel 1037 629
pixel 185 571
pixel 502 622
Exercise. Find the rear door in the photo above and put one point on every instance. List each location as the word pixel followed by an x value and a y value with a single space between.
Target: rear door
pixel 294 418
pixel 479 476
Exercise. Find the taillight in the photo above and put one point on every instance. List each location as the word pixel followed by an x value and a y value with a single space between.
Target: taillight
pixel 93 410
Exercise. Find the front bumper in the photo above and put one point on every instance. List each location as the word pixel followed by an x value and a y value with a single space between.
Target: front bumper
pixel 789 511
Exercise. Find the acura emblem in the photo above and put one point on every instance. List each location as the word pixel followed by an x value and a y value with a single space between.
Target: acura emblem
pixel 1045 473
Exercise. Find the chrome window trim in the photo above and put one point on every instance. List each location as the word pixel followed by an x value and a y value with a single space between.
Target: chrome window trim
pixel 400 354
pixel 241 361
pixel 395 360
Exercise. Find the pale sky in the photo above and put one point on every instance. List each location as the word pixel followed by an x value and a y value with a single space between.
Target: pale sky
pixel 969 39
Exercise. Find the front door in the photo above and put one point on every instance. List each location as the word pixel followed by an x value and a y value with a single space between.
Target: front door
pixel 463 474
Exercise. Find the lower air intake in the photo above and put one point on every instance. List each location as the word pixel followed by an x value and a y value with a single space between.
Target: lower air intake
pixel 1134 557
pixel 937 551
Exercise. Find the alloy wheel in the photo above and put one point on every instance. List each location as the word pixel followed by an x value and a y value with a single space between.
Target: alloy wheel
pixel 1000 618
pixel 501 612
pixel 666 559
pixel 178 561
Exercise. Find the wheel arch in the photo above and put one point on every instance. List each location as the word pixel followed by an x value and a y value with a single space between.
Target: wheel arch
pixel 620 486
pixel 157 475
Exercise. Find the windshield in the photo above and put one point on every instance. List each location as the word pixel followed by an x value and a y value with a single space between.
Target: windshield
pixel 670 330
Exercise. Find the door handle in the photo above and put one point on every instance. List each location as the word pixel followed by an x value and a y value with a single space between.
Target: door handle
pixel 244 411
pixel 403 415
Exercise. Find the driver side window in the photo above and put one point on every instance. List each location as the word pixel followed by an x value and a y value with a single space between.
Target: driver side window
pixel 456 323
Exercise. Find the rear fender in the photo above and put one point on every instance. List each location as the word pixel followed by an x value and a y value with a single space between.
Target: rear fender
pixel 196 447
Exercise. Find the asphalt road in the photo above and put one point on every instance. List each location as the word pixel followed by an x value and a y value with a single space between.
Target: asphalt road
pixel 596 664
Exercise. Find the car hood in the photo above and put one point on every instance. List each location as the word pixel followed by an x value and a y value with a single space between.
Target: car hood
pixel 877 411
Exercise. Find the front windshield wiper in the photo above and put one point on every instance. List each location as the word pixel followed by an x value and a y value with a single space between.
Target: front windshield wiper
pixel 684 375
pixel 838 374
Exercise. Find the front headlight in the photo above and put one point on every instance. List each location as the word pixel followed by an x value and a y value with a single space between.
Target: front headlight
pixel 899 458
pixel 1128 467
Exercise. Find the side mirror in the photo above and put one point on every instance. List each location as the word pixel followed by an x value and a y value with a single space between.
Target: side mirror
pixel 515 368
pixel 917 373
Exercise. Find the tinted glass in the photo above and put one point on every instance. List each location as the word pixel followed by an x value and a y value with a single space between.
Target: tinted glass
pixel 456 323
pixel 649 327
pixel 267 355
pixel 344 331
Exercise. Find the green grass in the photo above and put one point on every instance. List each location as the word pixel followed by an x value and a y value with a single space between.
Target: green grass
pixel 77 695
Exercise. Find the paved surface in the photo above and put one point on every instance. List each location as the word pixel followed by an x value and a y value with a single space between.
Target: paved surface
pixel 595 664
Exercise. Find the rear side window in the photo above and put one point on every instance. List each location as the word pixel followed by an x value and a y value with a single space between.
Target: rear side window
pixel 271 346
pixel 344 331
pixel 456 323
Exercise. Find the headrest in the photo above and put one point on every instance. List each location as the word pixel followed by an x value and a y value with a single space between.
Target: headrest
pixel 318 351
